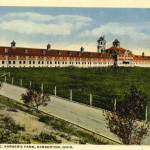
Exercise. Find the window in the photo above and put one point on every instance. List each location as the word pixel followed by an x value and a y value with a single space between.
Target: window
pixel 33 62
pixel 58 62
pixel 9 62
pixel 70 62
pixel 50 62
pixel 65 62
pixel 42 62
pixel 3 62
pixel 19 62
pixel 58 53
pixel 33 56
pixel 29 62
pixel 24 62
pixel 62 62
pixel 29 56
pixel 38 62
pixel 55 62
pixel 13 62
pixel 47 62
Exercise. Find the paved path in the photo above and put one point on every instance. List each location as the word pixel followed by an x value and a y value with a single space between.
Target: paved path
pixel 81 115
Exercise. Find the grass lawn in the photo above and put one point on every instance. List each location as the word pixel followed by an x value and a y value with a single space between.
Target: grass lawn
pixel 105 84
pixel 15 127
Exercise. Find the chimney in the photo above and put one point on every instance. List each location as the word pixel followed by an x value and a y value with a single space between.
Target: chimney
pixel 48 47
pixel 81 49
pixel 13 44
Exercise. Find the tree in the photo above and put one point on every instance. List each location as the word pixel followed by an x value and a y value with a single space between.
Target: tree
pixel 35 98
pixel 125 122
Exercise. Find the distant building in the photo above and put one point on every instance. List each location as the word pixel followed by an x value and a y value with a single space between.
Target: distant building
pixel 30 57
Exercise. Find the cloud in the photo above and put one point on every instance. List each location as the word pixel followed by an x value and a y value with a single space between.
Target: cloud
pixel 132 30
pixel 30 16
pixel 33 23
pixel 29 28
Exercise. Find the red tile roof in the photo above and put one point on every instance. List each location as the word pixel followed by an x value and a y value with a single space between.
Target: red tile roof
pixel 119 50
pixel 19 51
pixel 139 57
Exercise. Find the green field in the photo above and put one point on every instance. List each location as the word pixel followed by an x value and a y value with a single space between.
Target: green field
pixel 105 84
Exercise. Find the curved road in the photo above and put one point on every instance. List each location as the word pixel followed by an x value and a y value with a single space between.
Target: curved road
pixel 84 116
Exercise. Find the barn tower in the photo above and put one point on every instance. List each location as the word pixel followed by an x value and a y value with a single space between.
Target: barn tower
pixel 101 44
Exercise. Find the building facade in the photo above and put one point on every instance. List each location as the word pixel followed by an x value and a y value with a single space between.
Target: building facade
pixel 29 57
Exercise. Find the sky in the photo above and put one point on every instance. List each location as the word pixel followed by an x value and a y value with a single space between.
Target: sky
pixel 70 28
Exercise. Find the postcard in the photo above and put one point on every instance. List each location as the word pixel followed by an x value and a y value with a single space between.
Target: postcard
pixel 74 74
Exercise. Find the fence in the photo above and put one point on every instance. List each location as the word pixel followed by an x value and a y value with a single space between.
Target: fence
pixel 72 94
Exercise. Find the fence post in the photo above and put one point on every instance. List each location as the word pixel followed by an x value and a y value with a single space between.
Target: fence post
pixel 115 104
pixel 42 87
pixel 21 82
pixel 30 84
pixel 3 72
pixel 55 91
pixel 5 78
pixel 9 74
pixel 70 94
pixel 91 99
pixel 12 80
pixel 146 114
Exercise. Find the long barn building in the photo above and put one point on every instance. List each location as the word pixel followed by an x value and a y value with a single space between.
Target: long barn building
pixel 29 57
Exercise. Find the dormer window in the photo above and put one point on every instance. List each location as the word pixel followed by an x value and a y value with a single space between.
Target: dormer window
pixel 25 51
pixel 58 53
pixel 69 53
pixel 5 50
pixel 78 54
pixel 43 52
